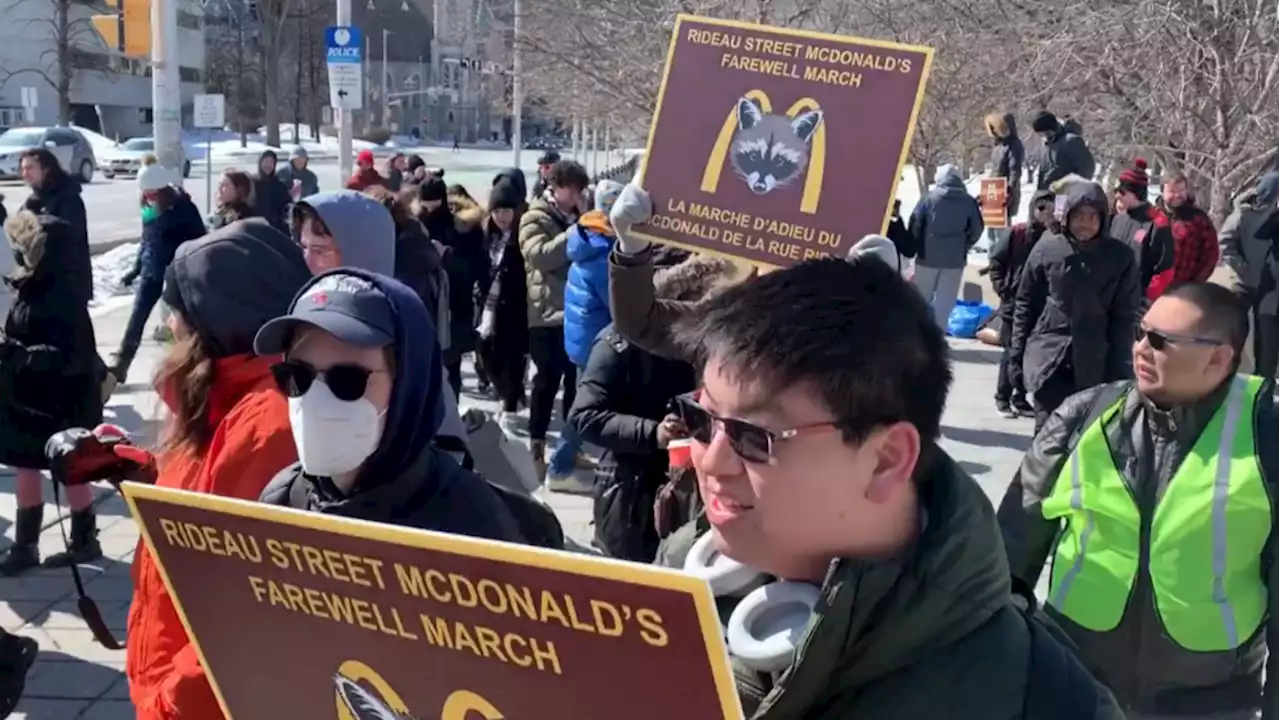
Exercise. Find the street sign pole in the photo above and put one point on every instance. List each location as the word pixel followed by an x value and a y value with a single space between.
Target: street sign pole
pixel 209 111
pixel 208 171
pixel 343 58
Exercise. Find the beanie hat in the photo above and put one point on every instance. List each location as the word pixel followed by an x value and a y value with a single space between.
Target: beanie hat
pixel 365 157
pixel 298 152
pixel 1135 179
pixel 504 195
pixel 877 246
pixel 1044 121
pixel 1267 189
pixel 433 188
pixel 152 178
pixel 607 192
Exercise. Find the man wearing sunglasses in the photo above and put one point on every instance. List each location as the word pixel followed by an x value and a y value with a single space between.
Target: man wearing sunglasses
pixel 1156 499
pixel 1145 229
pixel 365 388
pixel 817 462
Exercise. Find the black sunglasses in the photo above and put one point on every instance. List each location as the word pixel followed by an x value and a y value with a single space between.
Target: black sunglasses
pixel 751 442
pixel 346 382
pixel 1160 340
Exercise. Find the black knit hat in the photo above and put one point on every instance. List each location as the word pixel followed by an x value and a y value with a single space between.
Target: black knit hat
pixel 504 195
pixel 1044 121
pixel 433 188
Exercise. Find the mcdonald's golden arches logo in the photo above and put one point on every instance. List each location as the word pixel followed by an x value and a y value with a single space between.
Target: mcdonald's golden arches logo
pixel 362 694
pixel 771 152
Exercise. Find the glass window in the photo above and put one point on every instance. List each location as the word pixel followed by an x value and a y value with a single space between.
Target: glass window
pixel 22 137
pixel 139 144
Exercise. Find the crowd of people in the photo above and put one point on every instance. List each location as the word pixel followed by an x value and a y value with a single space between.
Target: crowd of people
pixel 314 360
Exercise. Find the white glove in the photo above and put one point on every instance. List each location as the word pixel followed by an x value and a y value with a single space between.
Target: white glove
pixel 485 328
pixel 633 207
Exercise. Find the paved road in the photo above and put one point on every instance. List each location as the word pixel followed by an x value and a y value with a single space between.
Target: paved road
pixel 112 205
pixel 75 678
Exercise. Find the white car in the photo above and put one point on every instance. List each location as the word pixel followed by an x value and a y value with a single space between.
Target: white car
pixel 126 158
pixel 74 153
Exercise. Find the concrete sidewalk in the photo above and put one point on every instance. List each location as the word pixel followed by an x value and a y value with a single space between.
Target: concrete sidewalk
pixel 76 678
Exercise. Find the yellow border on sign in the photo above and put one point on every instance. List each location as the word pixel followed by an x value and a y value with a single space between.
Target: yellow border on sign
pixel 681 18
pixel 524 555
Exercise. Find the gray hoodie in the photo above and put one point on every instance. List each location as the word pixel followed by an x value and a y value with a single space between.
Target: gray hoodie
pixel 946 222
pixel 366 237
pixel 360 226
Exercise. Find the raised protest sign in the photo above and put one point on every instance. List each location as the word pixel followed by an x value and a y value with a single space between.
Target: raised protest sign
pixel 778 145
pixel 994 194
pixel 303 615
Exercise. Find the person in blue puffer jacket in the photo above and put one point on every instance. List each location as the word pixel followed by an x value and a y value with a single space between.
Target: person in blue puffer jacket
pixel 586 295
pixel 169 218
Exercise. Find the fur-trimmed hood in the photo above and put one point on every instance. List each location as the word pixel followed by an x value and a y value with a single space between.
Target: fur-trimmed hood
pixel 467 215
pixel 28 236
pixel 699 276
pixel 1001 126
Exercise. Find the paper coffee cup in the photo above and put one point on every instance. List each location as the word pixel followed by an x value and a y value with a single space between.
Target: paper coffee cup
pixel 678 455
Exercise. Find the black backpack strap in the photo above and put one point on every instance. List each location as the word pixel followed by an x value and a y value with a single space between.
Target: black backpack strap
pixel 1058 685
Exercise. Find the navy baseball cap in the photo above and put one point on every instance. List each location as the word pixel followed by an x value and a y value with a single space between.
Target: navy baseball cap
pixel 346 306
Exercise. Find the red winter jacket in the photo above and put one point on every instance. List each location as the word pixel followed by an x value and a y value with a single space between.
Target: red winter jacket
pixel 1195 244
pixel 365 178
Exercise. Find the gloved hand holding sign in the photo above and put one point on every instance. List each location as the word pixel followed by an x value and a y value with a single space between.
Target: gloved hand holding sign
pixel 78 456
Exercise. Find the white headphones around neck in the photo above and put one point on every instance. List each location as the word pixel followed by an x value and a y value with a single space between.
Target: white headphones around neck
pixel 767 623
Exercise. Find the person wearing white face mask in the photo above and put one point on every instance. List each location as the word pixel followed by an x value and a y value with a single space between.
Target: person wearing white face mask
pixel 363 377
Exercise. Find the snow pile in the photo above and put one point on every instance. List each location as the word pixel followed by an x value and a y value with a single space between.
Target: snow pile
pixel 109 269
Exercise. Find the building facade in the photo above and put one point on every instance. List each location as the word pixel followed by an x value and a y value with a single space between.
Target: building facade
pixel 110 93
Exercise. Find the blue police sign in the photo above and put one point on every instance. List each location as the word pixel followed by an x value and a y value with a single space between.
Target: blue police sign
pixel 343 45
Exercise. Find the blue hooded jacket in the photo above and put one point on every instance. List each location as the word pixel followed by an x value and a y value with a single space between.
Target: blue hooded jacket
pixel 162 235
pixel 586 294
pixel 407 480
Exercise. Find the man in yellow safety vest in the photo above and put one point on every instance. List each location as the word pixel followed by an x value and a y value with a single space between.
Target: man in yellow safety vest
pixel 1156 499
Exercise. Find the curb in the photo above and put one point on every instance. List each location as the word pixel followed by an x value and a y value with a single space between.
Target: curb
pixel 101 247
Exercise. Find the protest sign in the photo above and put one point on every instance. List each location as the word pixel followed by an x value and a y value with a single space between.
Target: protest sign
pixel 994 193
pixel 304 615
pixel 777 145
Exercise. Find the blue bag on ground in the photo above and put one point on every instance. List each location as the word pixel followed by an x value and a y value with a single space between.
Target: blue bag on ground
pixel 966 318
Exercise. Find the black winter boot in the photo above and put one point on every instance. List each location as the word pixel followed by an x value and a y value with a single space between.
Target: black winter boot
pixel 24 553
pixel 17 654
pixel 84 545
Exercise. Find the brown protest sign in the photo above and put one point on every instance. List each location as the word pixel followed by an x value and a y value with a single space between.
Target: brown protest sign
pixel 302 615
pixel 778 145
pixel 995 195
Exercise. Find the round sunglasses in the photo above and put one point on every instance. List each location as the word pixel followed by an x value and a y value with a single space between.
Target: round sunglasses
pixel 347 382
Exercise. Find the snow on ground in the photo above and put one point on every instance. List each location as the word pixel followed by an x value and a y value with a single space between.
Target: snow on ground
pixel 109 268
pixel 226 144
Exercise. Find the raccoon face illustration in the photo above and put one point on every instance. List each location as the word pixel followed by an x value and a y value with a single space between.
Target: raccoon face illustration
pixel 771 151
pixel 364 704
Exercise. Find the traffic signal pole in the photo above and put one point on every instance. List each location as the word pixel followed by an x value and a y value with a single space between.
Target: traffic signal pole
pixel 166 89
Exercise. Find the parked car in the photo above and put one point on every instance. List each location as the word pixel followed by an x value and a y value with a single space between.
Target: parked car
pixel 72 150
pixel 126 158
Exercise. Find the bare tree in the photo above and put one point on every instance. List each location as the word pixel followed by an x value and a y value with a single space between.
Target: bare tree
pixel 273 21
pixel 74 45
pixel 1189 84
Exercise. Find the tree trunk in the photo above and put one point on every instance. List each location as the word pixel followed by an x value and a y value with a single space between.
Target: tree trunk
pixel 271 92
pixel 65 73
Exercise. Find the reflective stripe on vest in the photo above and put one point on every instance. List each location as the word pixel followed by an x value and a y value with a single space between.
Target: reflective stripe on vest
pixel 1207 533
